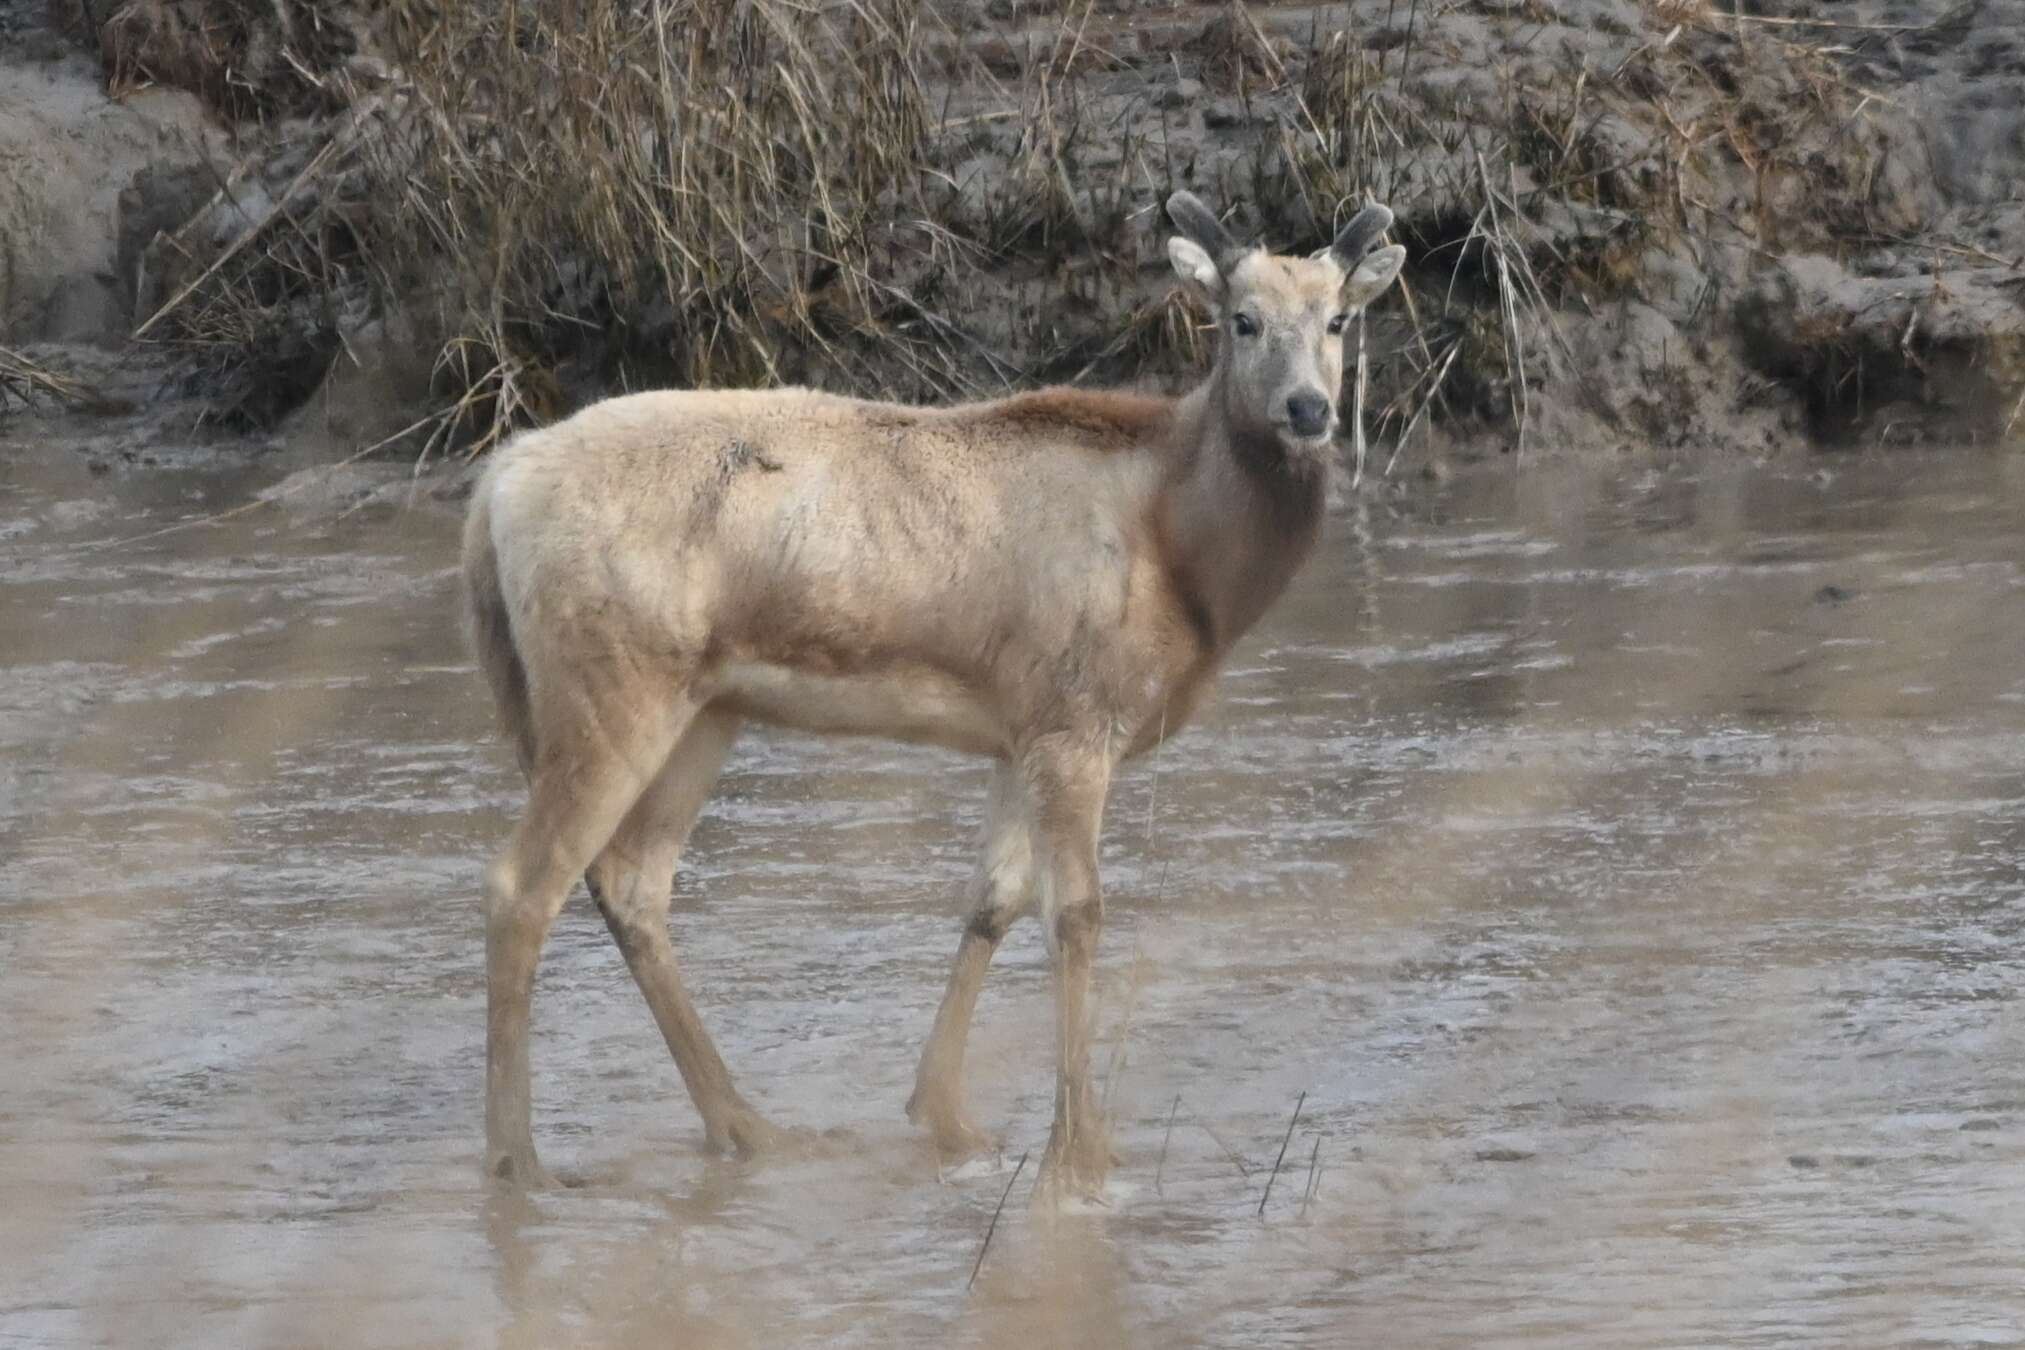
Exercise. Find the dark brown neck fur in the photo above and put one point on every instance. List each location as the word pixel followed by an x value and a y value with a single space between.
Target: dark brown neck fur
pixel 1238 516
pixel 1238 520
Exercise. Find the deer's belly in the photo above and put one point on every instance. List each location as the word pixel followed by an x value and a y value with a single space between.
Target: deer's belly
pixel 910 705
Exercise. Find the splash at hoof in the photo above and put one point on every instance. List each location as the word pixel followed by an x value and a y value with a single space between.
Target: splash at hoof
pixel 747 1134
pixel 520 1170
pixel 956 1138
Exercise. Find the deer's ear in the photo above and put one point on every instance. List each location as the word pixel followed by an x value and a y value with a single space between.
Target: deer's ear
pixel 1196 268
pixel 1368 280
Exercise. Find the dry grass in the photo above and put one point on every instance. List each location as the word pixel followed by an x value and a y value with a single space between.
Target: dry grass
pixel 24 382
pixel 1234 54
pixel 697 191
pixel 247 58
pixel 1668 12
pixel 708 192
pixel 725 184
pixel 722 192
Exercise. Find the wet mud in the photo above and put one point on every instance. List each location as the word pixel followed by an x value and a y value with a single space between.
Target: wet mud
pixel 1627 865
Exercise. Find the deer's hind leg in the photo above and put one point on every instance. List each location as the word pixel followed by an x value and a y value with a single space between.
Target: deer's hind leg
pixel 632 883
pixel 593 758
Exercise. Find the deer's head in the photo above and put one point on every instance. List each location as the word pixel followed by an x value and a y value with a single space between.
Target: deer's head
pixel 1281 320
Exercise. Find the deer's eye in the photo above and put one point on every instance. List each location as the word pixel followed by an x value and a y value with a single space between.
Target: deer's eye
pixel 1244 325
pixel 1337 324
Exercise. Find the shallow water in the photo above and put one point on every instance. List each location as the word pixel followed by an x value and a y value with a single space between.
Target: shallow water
pixel 1629 868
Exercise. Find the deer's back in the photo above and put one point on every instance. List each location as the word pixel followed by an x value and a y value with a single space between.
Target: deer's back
pixel 941 574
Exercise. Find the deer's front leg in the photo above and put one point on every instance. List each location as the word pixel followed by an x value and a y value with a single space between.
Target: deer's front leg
pixel 1002 890
pixel 1068 790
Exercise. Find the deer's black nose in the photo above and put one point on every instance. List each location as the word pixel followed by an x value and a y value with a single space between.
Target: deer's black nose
pixel 1308 413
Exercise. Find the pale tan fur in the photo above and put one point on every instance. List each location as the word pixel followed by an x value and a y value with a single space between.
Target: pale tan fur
pixel 1049 580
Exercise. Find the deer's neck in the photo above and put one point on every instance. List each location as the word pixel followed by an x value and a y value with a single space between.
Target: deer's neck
pixel 1237 517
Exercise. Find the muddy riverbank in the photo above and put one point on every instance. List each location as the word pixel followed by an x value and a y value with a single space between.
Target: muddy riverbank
pixel 1631 227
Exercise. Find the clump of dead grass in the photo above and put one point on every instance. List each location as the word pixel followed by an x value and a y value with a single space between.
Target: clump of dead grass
pixel 244 58
pixel 25 382
pixel 1233 53
pixel 724 181
pixel 260 283
pixel 703 192
pixel 1668 12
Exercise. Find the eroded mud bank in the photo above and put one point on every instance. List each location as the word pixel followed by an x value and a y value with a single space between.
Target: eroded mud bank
pixel 1631 226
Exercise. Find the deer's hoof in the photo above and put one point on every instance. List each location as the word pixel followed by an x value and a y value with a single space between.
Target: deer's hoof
pixel 959 1138
pixel 1073 1174
pixel 518 1168
pixel 954 1134
pixel 746 1133
pixel 956 1138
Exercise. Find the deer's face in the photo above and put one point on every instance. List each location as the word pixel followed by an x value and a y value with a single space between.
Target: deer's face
pixel 1282 322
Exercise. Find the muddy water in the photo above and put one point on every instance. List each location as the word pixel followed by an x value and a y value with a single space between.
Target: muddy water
pixel 1629 868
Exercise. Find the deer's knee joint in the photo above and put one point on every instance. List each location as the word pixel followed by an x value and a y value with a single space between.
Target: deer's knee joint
pixel 1002 894
pixel 1076 926
pixel 502 891
pixel 989 923
pixel 634 918
pixel 632 925
pixel 517 909
pixel 607 886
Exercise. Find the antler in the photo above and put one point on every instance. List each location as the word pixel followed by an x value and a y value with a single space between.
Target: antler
pixel 1358 236
pixel 1200 224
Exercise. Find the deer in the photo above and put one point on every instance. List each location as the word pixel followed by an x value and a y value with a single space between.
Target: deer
pixel 1050 580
